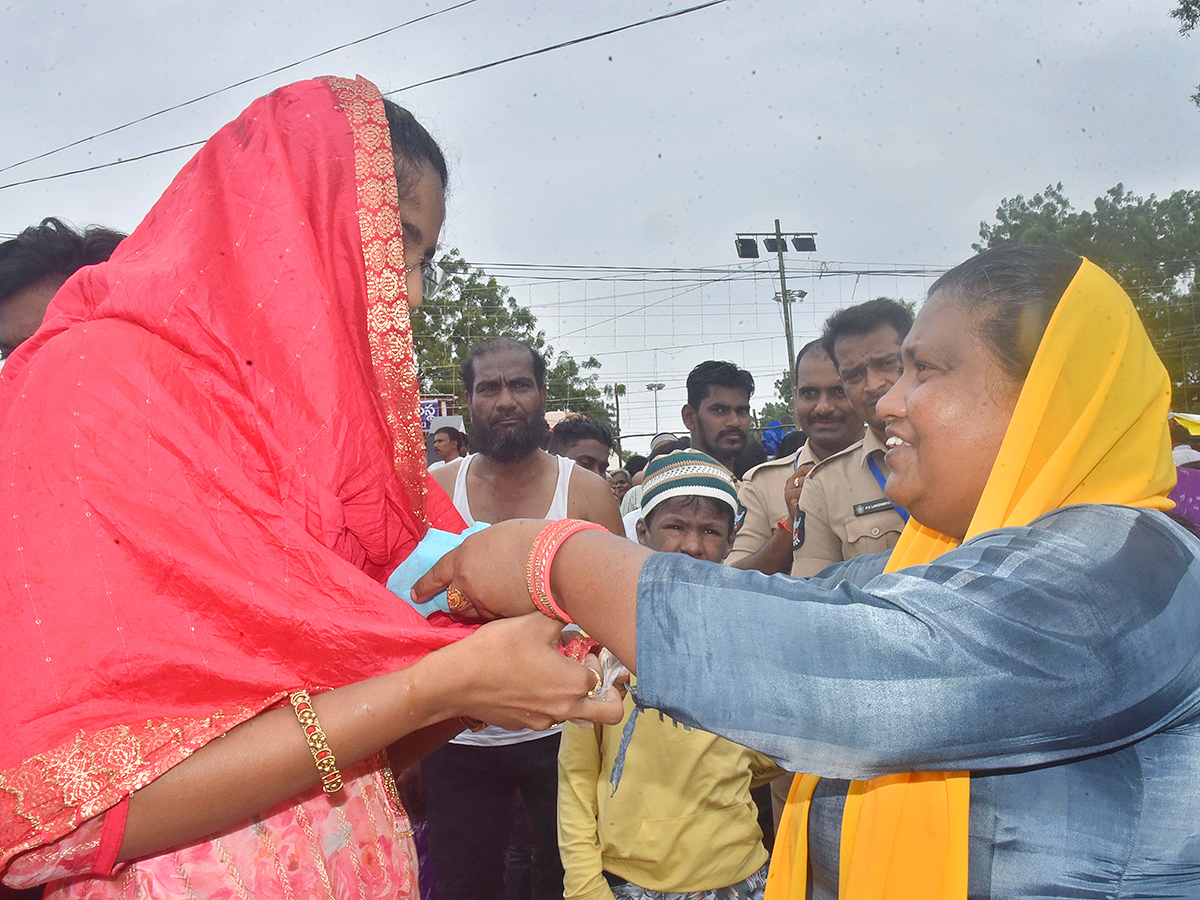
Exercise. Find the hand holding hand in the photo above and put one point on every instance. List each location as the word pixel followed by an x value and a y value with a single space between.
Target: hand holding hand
pixel 510 673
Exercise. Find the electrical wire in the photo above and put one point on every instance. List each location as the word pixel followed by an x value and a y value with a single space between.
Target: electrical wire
pixel 457 74
pixel 228 87
pixel 107 165
pixel 570 43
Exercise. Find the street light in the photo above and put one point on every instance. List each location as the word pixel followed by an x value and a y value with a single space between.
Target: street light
pixel 747 248
pixel 804 242
pixel 654 387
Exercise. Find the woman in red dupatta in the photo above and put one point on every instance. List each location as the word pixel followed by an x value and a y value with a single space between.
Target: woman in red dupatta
pixel 211 460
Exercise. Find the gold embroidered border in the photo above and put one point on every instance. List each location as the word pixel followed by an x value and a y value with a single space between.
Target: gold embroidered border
pixel 389 328
pixel 49 795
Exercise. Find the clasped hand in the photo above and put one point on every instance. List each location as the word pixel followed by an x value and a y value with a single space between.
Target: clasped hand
pixel 516 676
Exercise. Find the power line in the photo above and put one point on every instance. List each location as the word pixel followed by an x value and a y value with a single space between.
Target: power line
pixel 228 87
pixel 468 71
pixel 570 43
pixel 107 165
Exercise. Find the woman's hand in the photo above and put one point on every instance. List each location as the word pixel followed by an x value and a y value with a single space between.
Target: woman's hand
pixel 594 578
pixel 488 568
pixel 510 673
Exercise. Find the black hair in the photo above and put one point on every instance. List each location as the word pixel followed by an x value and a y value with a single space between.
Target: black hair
pixel 792 441
pixel 460 439
pixel 467 370
pixel 808 348
pixel 1016 290
pixel 712 373
pixel 690 501
pixel 753 454
pixel 635 464
pixel 1179 434
pixel 52 248
pixel 669 447
pixel 865 318
pixel 412 145
pixel 574 429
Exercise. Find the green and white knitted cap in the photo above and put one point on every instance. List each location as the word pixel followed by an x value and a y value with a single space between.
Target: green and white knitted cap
pixel 687 473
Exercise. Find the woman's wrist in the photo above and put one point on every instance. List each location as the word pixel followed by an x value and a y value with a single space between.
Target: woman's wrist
pixel 541 563
pixel 439 685
pixel 594 578
pixel 564 573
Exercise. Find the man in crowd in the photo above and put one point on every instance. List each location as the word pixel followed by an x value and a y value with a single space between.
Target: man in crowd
pixel 632 501
pixel 586 441
pixel 1181 448
pixel 842 509
pixel 450 444
pixel 770 491
pixel 34 265
pixel 472 783
pixel 620 482
pixel 634 466
pixel 718 410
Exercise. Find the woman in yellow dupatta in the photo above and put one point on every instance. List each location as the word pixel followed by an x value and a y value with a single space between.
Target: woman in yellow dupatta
pixel 1029 652
pixel 1087 427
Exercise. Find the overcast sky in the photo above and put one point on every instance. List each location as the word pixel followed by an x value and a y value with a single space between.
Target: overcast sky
pixel 890 128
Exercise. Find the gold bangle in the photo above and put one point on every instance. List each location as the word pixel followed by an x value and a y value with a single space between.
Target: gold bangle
pixel 318 744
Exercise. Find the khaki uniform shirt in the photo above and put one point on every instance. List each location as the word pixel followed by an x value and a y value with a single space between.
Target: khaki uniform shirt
pixel 761 495
pixel 845 511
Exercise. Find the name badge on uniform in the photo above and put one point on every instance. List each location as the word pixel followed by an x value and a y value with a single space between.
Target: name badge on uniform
pixel 865 509
pixel 798 531
pixel 739 518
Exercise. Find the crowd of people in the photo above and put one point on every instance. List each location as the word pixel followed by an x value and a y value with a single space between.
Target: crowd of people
pixel 266 638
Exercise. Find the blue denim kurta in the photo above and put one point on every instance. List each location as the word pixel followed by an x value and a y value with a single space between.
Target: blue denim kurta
pixel 1058 662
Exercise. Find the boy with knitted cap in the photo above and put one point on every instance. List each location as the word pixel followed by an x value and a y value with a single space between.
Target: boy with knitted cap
pixel 682 824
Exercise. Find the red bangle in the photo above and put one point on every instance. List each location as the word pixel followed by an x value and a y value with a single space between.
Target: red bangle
pixel 541 558
pixel 786 526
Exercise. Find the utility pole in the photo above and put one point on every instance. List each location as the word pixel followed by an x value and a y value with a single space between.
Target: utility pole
pixel 783 296
pixel 803 242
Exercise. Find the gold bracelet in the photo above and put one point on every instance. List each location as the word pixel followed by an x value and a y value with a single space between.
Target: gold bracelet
pixel 331 778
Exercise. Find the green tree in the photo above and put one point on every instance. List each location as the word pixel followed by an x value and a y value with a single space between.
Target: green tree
pixel 473 307
pixel 1188 15
pixel 1151 246
pixel 782 409
pixel 615 392
pixel 568 387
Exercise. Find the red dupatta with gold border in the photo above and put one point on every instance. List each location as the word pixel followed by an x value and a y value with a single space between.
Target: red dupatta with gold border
pixel 210 460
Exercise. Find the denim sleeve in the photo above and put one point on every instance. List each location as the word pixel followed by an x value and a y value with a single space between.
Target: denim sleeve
pixel 1024 646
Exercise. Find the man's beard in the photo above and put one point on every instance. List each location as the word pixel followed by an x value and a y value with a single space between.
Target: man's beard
pixel 743 438
pixel 509 444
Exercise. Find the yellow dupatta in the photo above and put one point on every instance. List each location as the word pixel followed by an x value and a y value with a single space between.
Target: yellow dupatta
pixel 1090 426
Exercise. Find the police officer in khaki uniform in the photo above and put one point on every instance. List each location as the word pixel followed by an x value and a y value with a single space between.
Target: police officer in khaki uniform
pixel 764 540
pixel 845 512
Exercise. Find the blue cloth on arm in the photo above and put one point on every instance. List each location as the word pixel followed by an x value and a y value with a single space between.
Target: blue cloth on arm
pixel 433 547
